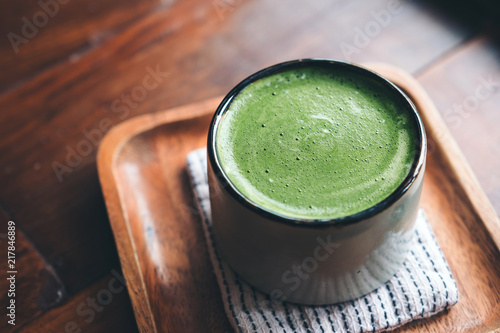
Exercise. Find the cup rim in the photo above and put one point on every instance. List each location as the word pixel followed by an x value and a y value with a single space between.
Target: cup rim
pixel 228 186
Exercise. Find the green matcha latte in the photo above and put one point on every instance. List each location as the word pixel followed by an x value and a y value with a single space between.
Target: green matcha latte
pixel 316 143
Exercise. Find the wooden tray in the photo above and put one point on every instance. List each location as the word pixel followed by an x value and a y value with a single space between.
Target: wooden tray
pixel 163 254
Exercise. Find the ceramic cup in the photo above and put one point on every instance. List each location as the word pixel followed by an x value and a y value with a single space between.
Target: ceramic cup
pixel 314 261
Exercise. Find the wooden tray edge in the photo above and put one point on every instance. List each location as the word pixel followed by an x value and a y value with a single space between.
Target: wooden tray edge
pixel 439 135
pixel 113 141
pixel 109 149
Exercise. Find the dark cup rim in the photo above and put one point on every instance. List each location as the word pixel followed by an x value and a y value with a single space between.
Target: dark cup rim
pixel 416 168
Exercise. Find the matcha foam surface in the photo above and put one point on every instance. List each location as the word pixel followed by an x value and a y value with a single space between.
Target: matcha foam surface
pixel 316 143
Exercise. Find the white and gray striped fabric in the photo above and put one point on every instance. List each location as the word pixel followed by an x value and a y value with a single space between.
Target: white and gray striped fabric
pixel 423 286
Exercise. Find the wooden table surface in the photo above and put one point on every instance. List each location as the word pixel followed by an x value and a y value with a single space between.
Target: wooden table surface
pixel 70 70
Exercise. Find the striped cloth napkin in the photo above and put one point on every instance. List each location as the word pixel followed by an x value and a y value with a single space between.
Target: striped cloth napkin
pixel 422 287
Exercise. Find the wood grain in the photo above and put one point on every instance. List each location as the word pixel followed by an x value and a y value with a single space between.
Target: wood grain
pixel 203 54
pixel 79 26
pixel 36 286
pixel 177 239
pixel 143 174
pixel 466 89
pixel 465 223
pixel 98 309
pixel 64 81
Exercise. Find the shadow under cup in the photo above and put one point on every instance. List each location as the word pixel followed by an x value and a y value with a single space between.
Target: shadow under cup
pixel 316 261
